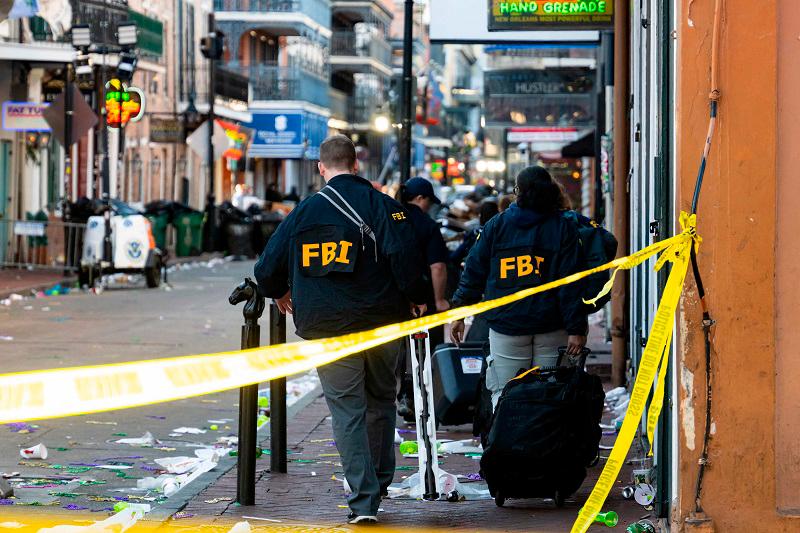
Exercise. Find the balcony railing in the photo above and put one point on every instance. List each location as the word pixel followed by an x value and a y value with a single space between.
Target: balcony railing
pixel 350 43
pixel 362 108
pixel 230 84
pixel 274 82
pixel 338 104
pixel 318 10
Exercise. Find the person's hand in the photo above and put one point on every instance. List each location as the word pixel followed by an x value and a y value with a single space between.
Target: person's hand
pixel 284 303
pixel 457 331
pixel 575 344
pixel 442 305
pixel 418 310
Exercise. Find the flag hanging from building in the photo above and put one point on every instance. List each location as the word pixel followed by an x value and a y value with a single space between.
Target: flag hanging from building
pixel 57 14
pixel 23 9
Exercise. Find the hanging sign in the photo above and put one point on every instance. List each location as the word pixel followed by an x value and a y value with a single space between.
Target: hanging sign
pixel 505 15
pixel 121 106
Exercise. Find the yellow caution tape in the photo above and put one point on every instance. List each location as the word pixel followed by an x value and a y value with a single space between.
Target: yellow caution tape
pixel 55 393
pixel 656 351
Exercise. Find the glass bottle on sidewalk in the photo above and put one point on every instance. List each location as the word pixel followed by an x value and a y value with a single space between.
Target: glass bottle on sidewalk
pixel 642 526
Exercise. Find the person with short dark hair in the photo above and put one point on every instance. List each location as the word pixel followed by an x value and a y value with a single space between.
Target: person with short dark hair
pixel 418 198
pixel 527 245
pixel 345 260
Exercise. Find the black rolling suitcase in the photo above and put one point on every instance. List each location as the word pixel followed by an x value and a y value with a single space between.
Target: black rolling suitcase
pixel 545 433
pixel 456 371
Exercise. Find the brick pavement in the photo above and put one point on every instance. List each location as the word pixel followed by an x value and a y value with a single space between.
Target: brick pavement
pixel 309 494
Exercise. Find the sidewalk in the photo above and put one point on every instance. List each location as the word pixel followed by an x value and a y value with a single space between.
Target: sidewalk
pixel 311 493
pixel 23 281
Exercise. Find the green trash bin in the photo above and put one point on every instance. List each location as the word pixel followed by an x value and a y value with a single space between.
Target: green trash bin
pixel 158 223
pixel 189 230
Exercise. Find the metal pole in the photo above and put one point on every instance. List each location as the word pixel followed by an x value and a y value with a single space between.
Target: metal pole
pixel 405 132
pixel 277 397
pixel 210 226
pixel 105 163
pixel 247 292
pixel 69 256
pixel 619 294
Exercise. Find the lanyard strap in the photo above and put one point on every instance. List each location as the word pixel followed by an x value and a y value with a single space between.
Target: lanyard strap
pixel 347 210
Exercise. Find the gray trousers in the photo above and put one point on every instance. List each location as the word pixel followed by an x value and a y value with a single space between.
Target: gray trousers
pixel 510 353
pixel 360 391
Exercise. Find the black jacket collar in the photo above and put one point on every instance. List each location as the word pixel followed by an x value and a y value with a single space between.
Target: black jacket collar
pixel 349 178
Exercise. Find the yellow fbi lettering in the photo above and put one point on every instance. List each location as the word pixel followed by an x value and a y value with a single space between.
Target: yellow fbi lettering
pixel 522 264
pixel 107 386
pixel 399 215
pixel 327 252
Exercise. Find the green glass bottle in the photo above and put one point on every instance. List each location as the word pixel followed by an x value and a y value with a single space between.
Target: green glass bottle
pixel 609 518
pixel 642 526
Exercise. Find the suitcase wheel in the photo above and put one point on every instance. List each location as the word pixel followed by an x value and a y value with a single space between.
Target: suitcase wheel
pixel 558 498
pixel 499 499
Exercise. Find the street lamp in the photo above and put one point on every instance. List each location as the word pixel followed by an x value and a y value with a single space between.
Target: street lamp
pixel 126 33
pixel 81 36
pixel 381 123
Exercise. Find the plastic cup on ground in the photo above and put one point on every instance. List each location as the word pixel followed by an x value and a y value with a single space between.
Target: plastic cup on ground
pixel 35 452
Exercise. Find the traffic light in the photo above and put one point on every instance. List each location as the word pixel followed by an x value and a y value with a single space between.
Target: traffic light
pixel 212 45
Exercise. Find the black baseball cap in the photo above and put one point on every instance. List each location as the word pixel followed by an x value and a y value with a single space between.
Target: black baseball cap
pixel 420 187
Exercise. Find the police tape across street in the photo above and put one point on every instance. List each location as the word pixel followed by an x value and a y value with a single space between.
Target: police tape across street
pixel 44 394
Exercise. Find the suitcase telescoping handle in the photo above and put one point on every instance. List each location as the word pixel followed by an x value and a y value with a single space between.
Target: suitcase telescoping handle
pixel 562 351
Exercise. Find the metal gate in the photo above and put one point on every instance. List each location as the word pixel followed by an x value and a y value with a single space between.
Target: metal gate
pixel 41 244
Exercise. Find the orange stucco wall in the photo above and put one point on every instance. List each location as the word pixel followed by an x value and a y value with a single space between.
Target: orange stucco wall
pixel 787 267
pixel 737 220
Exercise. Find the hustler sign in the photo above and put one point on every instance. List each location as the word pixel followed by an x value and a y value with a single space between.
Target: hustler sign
pixel 537 15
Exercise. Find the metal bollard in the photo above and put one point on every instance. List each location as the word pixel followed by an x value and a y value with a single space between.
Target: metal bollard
pixel 247 292
pixel 277 397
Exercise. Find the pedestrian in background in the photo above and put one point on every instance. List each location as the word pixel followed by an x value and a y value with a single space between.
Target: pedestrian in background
pixel 487 210
pixel 527 245
pixel 418 198
pixel 345 260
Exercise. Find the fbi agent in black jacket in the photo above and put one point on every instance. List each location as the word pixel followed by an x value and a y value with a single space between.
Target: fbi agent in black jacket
pixel 346 260
pixel 527 245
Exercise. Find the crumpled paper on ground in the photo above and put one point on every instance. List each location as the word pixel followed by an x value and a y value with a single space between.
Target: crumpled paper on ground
pixel 145 440
pixel 410 488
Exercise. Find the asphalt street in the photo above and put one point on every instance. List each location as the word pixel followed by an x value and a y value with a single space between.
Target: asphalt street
pixel 125 322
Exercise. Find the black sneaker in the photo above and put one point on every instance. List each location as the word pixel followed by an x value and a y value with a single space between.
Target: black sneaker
pixel 362 520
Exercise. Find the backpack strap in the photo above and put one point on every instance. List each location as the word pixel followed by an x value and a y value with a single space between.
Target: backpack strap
pixel 344 207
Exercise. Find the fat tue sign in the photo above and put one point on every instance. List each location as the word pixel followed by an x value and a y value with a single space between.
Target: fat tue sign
pixel 507 15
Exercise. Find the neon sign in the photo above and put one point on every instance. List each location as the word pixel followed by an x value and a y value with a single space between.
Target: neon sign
pixel 121 106
pixel 538 15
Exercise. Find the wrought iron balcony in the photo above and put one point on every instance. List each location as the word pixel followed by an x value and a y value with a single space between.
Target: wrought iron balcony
pixel 270 81
pixel 318 10
pixel 229 84
pixel 349 49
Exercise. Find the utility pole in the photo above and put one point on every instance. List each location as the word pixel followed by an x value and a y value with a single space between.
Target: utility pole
pixel 405 131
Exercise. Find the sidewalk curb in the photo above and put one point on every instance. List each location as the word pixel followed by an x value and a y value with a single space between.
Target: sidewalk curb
pixel 173 505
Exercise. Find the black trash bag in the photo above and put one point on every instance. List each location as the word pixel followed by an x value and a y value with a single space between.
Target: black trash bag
pixel 237 228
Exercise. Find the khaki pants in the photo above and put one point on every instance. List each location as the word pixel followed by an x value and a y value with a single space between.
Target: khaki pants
pixel 511 353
